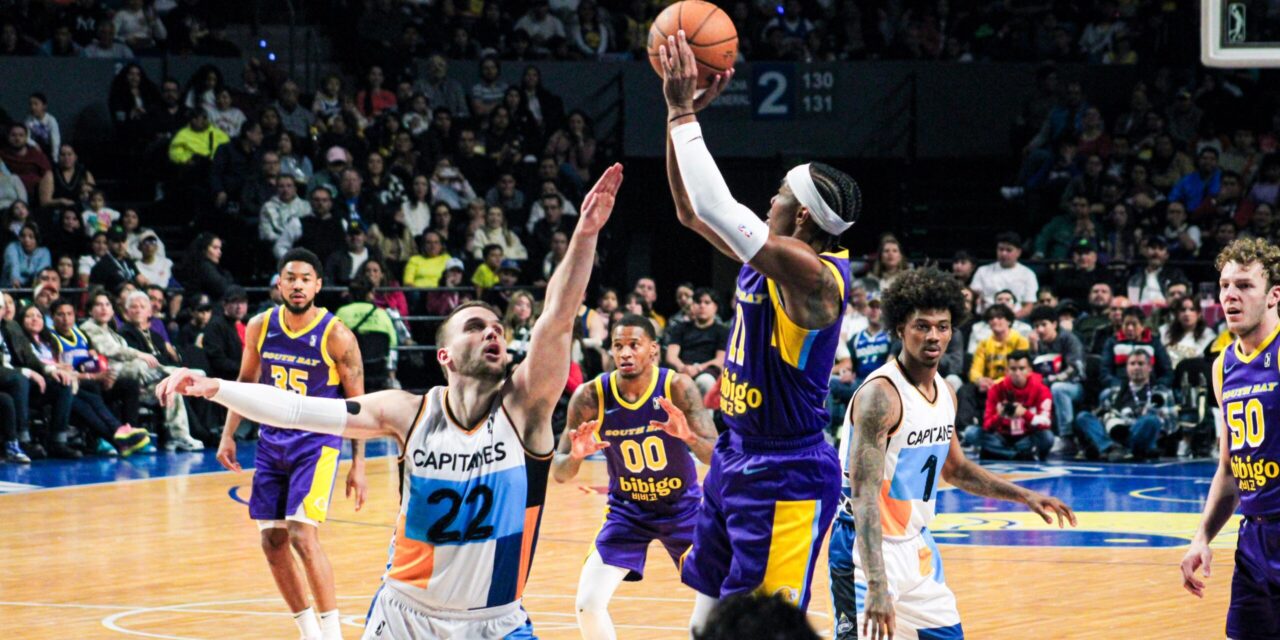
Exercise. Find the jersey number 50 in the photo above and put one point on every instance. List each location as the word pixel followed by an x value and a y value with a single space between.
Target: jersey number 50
pixel 1247 429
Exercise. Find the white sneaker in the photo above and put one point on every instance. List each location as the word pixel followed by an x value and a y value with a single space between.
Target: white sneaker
pixel 186 443
pixel 1184 449
pixel 1059 445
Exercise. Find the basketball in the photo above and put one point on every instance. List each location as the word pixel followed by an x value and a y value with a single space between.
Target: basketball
pixel 710 32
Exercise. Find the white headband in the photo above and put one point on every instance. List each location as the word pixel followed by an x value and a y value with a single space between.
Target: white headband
pixel 802 185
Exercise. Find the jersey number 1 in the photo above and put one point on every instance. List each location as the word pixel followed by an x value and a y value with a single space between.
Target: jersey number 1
pixel 930 466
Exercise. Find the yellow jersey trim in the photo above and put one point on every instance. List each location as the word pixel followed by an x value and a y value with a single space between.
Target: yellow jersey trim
pixel 284 326
pixel 1261 347
pixel 324 352
pixel 791 340
pixel 644 397
pixel 599 385
pixel 262 330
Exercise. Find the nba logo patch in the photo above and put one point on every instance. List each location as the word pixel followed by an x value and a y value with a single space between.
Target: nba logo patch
pixel 313 341
pixel 657 406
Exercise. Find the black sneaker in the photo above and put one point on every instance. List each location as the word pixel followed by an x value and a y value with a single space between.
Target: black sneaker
pixel 34 450
pixel 61 450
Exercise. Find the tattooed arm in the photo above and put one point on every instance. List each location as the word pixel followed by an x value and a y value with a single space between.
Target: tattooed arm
pixel 688 419
pixel 876 411
pixel 344 351
pixel 962 473
pixel 578 440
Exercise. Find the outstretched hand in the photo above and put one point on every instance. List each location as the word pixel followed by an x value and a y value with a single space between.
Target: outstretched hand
pixel 185 382
pixel 583 442
pixel 1046 507
pixel 680 77
pixel 676 425
pixel 598 204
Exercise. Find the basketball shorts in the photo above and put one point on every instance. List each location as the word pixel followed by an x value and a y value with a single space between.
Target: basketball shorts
pixel 293 481
pixel 762 519
pixel 1254 613
pixel 393 616
pixel 623 540
pixel 923 606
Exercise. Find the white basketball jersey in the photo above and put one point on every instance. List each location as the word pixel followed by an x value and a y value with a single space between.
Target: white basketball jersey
pixel 916 451
pixel 472 501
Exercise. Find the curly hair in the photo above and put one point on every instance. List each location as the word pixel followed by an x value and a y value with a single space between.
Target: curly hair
pixel 922 290
pixel 1247 251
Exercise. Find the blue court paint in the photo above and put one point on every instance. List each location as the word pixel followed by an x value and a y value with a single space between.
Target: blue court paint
pixel 1118 505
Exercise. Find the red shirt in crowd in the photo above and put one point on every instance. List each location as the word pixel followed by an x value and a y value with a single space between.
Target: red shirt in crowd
pixel 1034 396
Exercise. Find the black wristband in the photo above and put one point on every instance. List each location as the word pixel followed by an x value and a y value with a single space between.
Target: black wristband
pixel 681 115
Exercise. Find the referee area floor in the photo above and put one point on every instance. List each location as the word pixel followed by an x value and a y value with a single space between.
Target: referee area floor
pixel 160 546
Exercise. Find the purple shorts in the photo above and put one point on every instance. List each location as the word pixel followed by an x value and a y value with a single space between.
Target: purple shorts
pixel 1254 613
pixel 763 517
pixel 628 529
pixel 293 480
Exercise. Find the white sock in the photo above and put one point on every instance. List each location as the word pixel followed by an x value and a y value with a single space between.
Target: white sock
pixel 702 606
pixel 307 623
pixel 595 587
pixel 330 625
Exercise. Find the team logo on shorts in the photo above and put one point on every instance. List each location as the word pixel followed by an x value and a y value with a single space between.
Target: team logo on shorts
pixel 788 593
pixel 322 503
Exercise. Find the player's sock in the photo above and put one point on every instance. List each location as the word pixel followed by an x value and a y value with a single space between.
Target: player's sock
pixel 702 606
pixel 330 625
pixel 595 587
pixel 307 624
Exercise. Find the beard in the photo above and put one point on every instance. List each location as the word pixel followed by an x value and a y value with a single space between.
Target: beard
pixel 298 309
pixel 481 369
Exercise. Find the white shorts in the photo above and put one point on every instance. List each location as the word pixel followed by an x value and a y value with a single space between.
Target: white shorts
pixel 923 604
pixel 395 617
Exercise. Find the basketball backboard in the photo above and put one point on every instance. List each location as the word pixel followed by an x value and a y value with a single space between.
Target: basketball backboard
pixel 1239 33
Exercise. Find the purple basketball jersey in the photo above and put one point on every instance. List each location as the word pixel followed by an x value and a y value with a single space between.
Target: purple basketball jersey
pixel 1251 404
pixel 774 383
pixel 298 361
pixel 647 467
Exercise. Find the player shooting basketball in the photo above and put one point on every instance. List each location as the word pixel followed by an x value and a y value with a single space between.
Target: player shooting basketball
pixel 774 481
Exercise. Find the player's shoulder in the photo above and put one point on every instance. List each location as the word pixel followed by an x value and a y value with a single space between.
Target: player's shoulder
pixel 878 395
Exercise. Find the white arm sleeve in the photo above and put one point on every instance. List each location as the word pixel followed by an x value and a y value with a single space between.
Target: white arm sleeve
pixel 712 203
pixel 284 409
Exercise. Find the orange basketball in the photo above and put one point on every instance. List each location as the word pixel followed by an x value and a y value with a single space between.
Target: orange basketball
pixel 710 33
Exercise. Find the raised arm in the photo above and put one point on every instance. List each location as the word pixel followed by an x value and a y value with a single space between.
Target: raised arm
pixel 793 264
pixel 537 386
pixel 1224 496
pixel 876 410
pixel 578 440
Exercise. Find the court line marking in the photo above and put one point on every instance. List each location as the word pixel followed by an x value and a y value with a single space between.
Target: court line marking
pixel 188 474
pixel 112 622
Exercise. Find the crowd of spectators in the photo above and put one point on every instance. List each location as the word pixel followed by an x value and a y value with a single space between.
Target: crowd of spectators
pixel 1091 336
pixel 392 33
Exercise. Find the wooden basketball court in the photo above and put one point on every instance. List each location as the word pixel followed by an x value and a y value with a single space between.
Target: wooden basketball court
pixel 177 557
